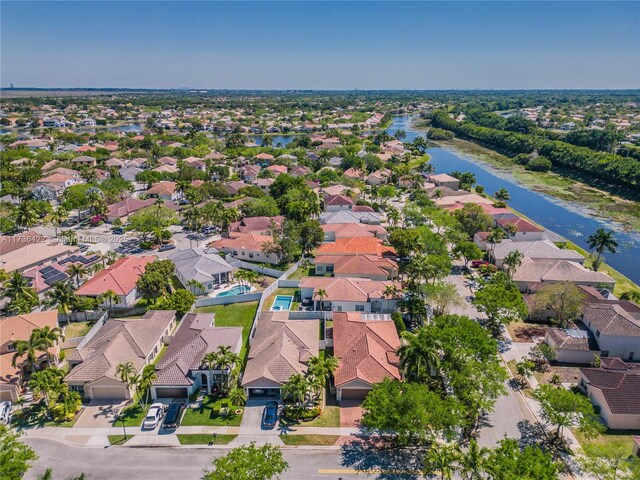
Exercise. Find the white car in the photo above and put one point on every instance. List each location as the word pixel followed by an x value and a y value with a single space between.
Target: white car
pixel 5 412
pixel 154 415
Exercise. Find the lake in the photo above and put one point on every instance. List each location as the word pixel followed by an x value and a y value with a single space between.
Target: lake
pixel 284 140
pixel 561 217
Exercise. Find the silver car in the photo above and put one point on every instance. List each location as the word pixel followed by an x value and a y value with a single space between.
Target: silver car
pixel 154 415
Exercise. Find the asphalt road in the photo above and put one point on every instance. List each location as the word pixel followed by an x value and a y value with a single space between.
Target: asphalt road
pixel 186 464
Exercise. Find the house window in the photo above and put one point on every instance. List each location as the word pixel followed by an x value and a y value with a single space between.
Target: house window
pixel 359 308
pixel 77 388
pixel 235 253
pixel 604 353
pixel 251 255
pixel 11 347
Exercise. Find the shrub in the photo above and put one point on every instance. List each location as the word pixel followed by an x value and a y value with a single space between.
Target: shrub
pixel 539 164
pixel 301 414
pixel 522 159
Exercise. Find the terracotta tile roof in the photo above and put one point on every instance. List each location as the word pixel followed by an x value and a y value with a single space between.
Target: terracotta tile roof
pixel 195 337
pixel 119 341
pixel 337 200
pixel 521 224
pixel 256 224
pixel 358 264
pixel 127 206
pixel 265 156
pixel 351 246
pixel 15 242
pixel 348 289
pixel 571 339
pixel 353 230
pixel 162 188
pixel 280 348
pixel 620 386
pixel 121 277
pixel 240 241
pixel 365 348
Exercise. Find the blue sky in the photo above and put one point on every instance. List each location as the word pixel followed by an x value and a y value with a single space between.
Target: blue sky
pixel 327 45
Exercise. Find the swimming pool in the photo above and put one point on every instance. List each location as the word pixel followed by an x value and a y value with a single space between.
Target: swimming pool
pixel 237 290
pixel 282 302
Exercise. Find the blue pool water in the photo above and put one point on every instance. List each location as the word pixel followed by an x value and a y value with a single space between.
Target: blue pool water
pixel 282 302
pixel 237 290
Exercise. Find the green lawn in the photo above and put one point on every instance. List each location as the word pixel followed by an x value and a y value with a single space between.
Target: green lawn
pixel 204 439
pixel 235 315
pixel 77 329
pixel 36 416
pixel 133 416
pixel 119 439
pixel 312 439
pixel 308 271
pixel 618 437
pixel 209 414
pixel 289 292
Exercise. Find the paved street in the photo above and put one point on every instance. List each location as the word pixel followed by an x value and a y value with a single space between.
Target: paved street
pixel 186 464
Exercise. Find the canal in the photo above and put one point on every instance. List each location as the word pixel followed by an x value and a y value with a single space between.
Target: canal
pixel 562 217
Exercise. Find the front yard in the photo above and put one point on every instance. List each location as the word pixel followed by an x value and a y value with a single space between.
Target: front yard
pixel 525 332
pixel 133 416
pixel 623 438
pixel 309 439
pixel 204 439
pixel 209 413
pixel 36 416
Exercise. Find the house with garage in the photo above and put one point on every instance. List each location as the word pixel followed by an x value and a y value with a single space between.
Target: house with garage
pixel 203 266
pixel 337 203
pixel 261 225
pixel 121 278
pixel 19 327
pixel 350 294
pixel 279 349
pixel 366 347
pixel 164 190
pixel 182 370
pixel 247 246
pixel 614 389
pixel 122 209
pixel 616 331
pixel 93 367
pixel 356 246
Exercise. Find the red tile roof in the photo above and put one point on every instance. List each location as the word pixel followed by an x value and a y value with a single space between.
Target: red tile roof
pixel 352 246
pixel 121 277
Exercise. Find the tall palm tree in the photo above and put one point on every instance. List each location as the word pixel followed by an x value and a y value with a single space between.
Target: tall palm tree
pixel 49 337
pixel 321 293
pixel 419 356
pixel 196 287
pixel 210 360
pixel 145 380
pixel 110 296
pixel 296 389
pixel 473 464
pixel 30 348
pixel 495 236
pixel 321 369
pixel 442 460
pixel 512 261
pixel 77 271
pixel 61 295
pixel 17 288
pixel 600 241
pixel 25 216
pixel 58 217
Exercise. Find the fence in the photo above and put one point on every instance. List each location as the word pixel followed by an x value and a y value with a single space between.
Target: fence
pixel 289 283
pixel 90 334
pixel 270 272
pixel 88 316
pixel 310 315
pixel 126 312
pixel 226 300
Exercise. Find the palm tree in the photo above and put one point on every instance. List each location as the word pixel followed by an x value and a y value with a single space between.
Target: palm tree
pixel 495 236
pixel 600 241
pixel 25 216
pixel 17 288
pixel 502 195
pixel 126 372
pixel 473 463
pixel 321 293
pixel 296 389
pixel 58 217
pixel 393 216
pixel 145 380
pixel 69 236
pixel 78 271
pixel 512 261
pixel 49 337
pixel 442 460
pixel 237 396
pixel 62 296
pixel 210 360
pixel 110 296
pixel 419 356
pixel 320 370
pixel 30 348
pixel 195 286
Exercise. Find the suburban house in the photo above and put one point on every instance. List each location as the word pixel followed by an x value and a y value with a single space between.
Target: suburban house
pixel 84 160
pixel 350 294
pixel 181 371
pixel 525 231
pixel 532 272
pixel 247 246
pixel 333 231
pixel 277 169
pixel 616 331
pixel 344 216
pixel 378 177
pixel 261 225
pixel 94 366
pixel 19 327
pixel 453 202
pixel 263 184
pixel 279 349
pixel 164 190
pixel 202 266
pixel 43 277
pixel 615 389
pixel 57 183
pixel 121 278
pixel 366 347
pixel 122 209
pixel 250 172
pixel 572 345
pixel 444 180
pixel 336 203
pixel 356 246
pixel 234 186
pixel 27 250
pixel 536 249
pixel 357 266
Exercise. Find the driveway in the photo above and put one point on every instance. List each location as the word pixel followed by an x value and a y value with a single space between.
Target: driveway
pixel 350 413
pixel 251 429
pixel 99 414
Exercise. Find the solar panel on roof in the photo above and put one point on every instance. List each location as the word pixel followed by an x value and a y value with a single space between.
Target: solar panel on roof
pixel 56 278
pixel 47 270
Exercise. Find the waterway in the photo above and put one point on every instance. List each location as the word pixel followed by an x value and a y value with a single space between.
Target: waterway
pixel 564 218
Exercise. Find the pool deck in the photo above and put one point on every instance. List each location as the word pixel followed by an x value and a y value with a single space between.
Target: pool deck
pixel 229 286
pixel 282 297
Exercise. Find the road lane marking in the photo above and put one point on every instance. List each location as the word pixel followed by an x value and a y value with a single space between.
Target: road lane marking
pixel 374 471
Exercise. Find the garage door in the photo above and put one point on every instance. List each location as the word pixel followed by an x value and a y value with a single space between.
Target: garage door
pixel 5 395
pixel 171 392
pixel 354 393
pixel 103 393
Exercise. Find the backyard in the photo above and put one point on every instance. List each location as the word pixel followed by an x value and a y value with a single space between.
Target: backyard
pixel 77 329
pixel 288 292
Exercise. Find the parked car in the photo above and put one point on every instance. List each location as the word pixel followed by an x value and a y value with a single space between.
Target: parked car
pixel 117 231
pixel 154 415
pixel 270 414
pixel 5 412
pixel 479 263
pixel 174 415
pixel 165 248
